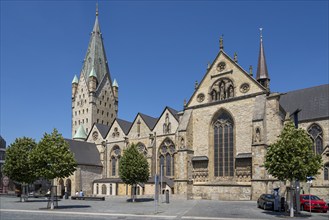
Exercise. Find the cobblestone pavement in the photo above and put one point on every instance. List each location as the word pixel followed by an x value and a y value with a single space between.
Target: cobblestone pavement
pixel 119 208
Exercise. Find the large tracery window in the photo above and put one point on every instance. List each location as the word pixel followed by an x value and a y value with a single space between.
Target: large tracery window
pixel 115 157
pixel 315 131
pixel 166 157
pixel 223 146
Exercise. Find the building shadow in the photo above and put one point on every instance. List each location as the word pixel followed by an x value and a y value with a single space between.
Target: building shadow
pixel 141 200
pixel 68 207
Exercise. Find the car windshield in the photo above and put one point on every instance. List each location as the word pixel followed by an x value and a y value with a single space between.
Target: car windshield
pixel 269 196
pixel 313 197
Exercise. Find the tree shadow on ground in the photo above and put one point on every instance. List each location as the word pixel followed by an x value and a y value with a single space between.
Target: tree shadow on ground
pixel 286 214
pixel 141 200
pixel 29 201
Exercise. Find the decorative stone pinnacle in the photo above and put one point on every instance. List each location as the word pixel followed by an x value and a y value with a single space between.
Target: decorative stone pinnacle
pixel 196 84
pixel 96 8
pixel 250 70
pixel 221 43
pixel 235 57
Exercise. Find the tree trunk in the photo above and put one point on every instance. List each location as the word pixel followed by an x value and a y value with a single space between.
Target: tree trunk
pixel 291 206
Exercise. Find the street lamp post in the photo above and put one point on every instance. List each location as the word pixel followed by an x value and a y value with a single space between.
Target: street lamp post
pixel 297 183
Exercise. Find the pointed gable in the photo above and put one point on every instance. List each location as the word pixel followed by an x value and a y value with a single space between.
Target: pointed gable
pixel 224 80
pixel 125 125
pixel 142 126
pixel 118 130
pixel 167 122
pixel 97 133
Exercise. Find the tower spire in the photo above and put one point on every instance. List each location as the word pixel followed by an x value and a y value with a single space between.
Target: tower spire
pixel 262 73
pixel 96 8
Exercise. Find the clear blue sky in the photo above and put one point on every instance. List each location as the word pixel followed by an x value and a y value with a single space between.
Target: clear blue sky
pixel 156 51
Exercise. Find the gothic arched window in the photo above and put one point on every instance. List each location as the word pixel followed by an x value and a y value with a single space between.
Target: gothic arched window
pixel 166 152
pixel 142 149
pixel 115 157
pixel 104 189
pixel 326 172
pixel 223 145
pixel 315 131
pixel 114 166
pixel 222 89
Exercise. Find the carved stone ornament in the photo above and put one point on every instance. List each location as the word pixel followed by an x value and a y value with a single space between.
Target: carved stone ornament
pixel 221 66
pixel 200 97
pixel 95 135
pixel 244 87
pixel 115 133
pixel 258 137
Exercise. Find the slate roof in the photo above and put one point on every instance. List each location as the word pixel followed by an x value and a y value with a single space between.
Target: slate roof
pixel 149 121
pixel 103 129
pixel 125 125
pixel 313 102
pixel 95 55
pixel 85 153
pixel 173 112
pixel 262 72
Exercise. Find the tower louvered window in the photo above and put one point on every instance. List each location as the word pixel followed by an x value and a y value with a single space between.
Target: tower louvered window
pixel 223 146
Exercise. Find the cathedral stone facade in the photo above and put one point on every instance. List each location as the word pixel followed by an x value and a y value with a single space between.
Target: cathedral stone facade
pixel 214 148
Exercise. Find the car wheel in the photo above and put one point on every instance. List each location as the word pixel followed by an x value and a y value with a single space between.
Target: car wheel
pixel 324 211
pixel 264 207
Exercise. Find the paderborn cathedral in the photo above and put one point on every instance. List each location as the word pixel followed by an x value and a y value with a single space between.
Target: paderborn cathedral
pixel 213 148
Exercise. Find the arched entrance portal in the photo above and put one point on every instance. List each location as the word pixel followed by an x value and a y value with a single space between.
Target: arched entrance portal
pixel 61 187
pixel 68 187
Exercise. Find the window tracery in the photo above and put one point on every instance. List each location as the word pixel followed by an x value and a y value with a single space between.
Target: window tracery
pixel 142 149
pixel 221 90
pixel 316 134
pixel 326 172
pixel 223 146
pixel 167 151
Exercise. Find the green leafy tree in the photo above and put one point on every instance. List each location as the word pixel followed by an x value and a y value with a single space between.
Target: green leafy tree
pixel 53 158
pixel 18 165
pixel 291 157
pixel 133 167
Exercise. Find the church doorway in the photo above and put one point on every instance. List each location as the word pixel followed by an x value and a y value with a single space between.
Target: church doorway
pixel 61 187
pixel 68 187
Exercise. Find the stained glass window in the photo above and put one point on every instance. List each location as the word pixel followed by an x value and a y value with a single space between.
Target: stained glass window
pixel 223 146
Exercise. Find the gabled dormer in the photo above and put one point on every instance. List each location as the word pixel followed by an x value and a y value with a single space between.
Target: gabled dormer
pixel 167 122
pixel 224 80
pixel 142 126
pixel 119 130
pixel 98 133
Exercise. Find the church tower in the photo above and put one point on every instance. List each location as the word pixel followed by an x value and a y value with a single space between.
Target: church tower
pixel 94 98
pixel 262 73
